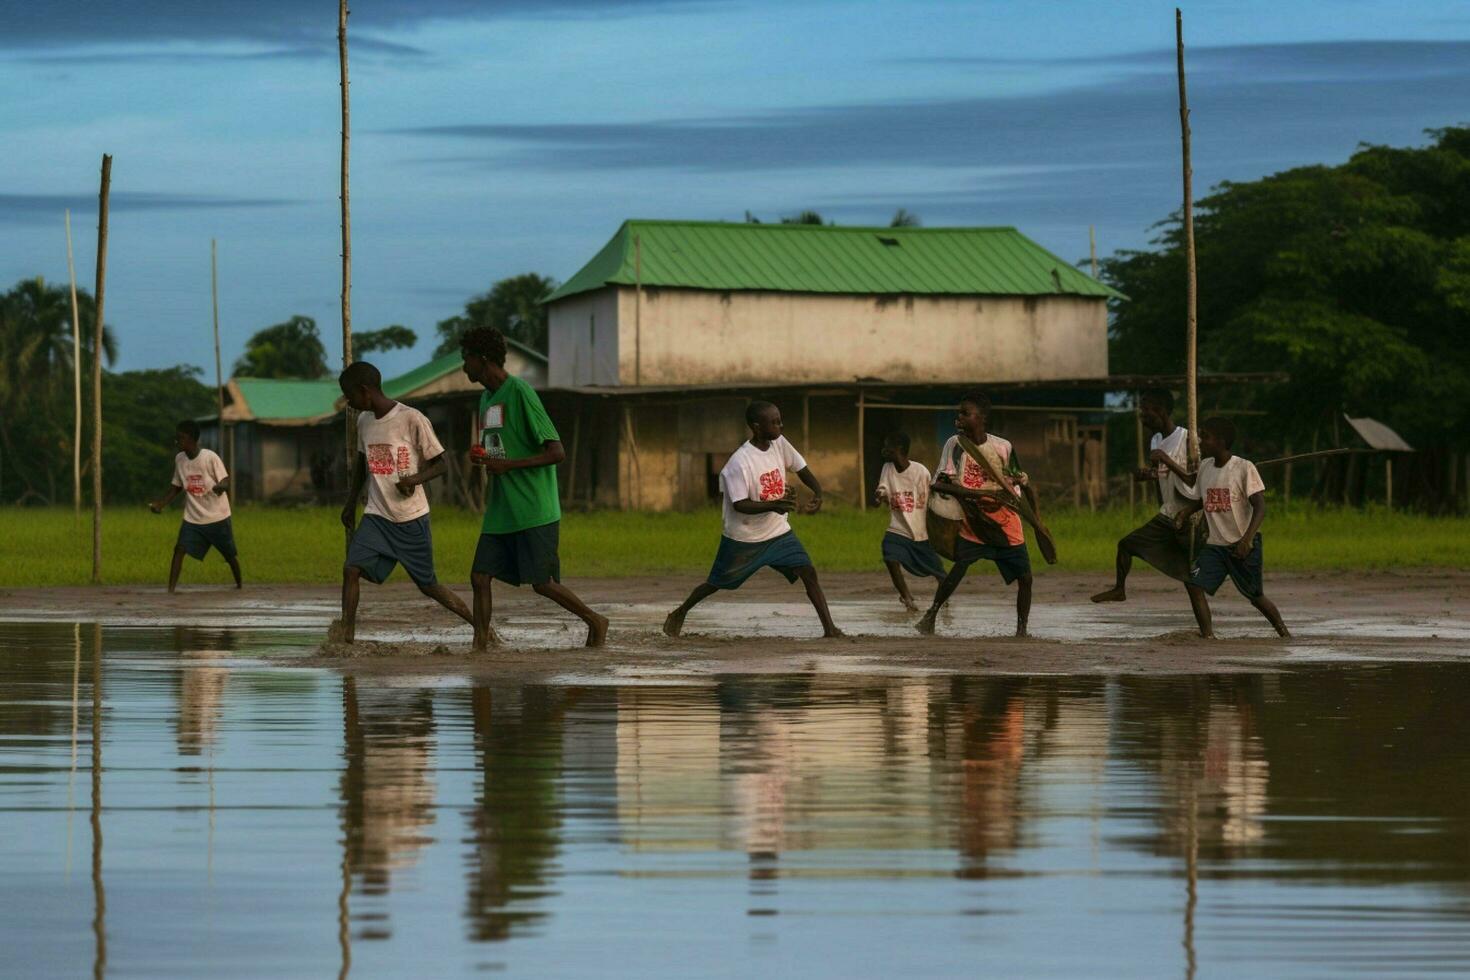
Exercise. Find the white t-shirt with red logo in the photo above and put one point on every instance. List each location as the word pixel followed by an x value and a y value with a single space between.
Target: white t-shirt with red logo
pixel 975 478
pixel 755 474
pixel 1226 492
pixel 396 445
pixel 1176 444
pixel 907 495
pixel 198 477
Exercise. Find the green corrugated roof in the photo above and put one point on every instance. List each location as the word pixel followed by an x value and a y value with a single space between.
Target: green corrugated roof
pixel 423 374
pixel 440 366
pixel 289 398
pixel 826 259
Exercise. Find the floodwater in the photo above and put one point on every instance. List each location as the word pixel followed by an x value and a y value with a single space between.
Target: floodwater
pixel 173 803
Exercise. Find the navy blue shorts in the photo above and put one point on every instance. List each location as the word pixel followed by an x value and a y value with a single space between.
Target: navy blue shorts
pixel 1215 561
pixel 737 561
pixel 526 557
pixel 1012 560
pixel 916 557
pixel 197 539
pixel 379 544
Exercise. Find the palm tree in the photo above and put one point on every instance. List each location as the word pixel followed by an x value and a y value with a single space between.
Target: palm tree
pixel 36 379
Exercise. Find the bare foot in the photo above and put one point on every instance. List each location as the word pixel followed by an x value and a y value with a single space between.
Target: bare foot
pixel 1021 630
pixel 833 634
pixel 1207 636
pixel 1283 632
pixel 674 622
pixel 1116 594
pixel 925 625
pixel 338 632
pixel 909 604
pixel 485 642
pixel 597 631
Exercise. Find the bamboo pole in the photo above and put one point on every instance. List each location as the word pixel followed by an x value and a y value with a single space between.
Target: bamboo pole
pixel 1134 488
pixel 862 477
pixel 346 228
pixel 219 382
pixel 1092 248
pixel 100 295
pixel 1191 289
pixel 76 376
pixel 637 310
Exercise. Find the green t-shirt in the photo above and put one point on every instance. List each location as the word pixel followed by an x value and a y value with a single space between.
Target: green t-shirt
pixel 514 424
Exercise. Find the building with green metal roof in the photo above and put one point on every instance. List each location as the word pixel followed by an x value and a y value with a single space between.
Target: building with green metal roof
pixel 698 303
pixel 658 341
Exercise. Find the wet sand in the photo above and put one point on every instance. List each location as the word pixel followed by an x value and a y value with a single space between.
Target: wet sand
pixel 768 627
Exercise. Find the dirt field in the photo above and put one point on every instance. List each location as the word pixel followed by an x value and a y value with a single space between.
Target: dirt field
pixel 768 626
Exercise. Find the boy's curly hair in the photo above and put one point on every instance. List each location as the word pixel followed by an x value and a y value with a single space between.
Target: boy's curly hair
pixel 486 342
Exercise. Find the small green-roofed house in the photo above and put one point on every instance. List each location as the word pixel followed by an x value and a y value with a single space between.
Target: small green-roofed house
pixel 286 435
pixel 661 338
pixel 283 438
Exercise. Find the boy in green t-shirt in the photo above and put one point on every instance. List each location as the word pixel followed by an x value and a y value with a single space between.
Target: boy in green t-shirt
pixel 520 447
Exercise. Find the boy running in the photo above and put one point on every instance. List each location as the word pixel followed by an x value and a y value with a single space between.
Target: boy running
pixel 1234 501
pixel 200 475
pixel 756 532
pixel 989 530
pixel 1157 542
pixel 903 486
pixel 521 532
pixel 396 452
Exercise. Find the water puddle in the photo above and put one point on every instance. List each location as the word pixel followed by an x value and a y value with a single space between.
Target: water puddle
pixel 174 804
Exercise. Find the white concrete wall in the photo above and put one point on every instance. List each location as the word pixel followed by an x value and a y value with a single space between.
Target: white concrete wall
pixel 582 340
pixel 697 337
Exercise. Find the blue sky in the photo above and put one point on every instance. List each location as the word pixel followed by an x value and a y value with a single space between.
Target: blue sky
pixel 492 137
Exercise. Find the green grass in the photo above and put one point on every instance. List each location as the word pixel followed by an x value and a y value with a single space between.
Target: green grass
pixel 43 547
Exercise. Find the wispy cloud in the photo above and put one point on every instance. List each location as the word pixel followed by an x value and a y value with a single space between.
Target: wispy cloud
pixel 1288 97
pixel 32 208
pixel 288 23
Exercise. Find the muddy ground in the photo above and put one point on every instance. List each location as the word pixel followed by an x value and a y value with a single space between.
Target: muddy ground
pixel 768 626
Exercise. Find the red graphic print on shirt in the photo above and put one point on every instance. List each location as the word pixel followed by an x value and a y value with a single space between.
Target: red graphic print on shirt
pixel 902 501
pixel 404 461
pixel 1217 500
pixel 380 459
pixel 194 484
pixel 773 485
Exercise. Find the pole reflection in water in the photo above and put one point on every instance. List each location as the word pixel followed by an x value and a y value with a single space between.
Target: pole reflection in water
pixel 71 777
pixel 99 893
pixel 515 826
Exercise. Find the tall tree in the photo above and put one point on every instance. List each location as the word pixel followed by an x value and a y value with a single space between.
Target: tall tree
pixel 394 337
pixel 904 218
pixel 514 306
pixel 1354 278
pixel 286 350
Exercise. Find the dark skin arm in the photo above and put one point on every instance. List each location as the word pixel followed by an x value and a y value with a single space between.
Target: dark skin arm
pixel 787 503
pixel 433 469
pixel 354 492
pixel 222 486
pixel 551 454
pixel 1158 456
pixel 1242 548
pixel 158 505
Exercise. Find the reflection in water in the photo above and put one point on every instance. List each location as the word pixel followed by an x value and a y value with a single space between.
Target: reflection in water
pixel 515 824
pixel 387 788
pixel 99 892
pixel 1305 823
